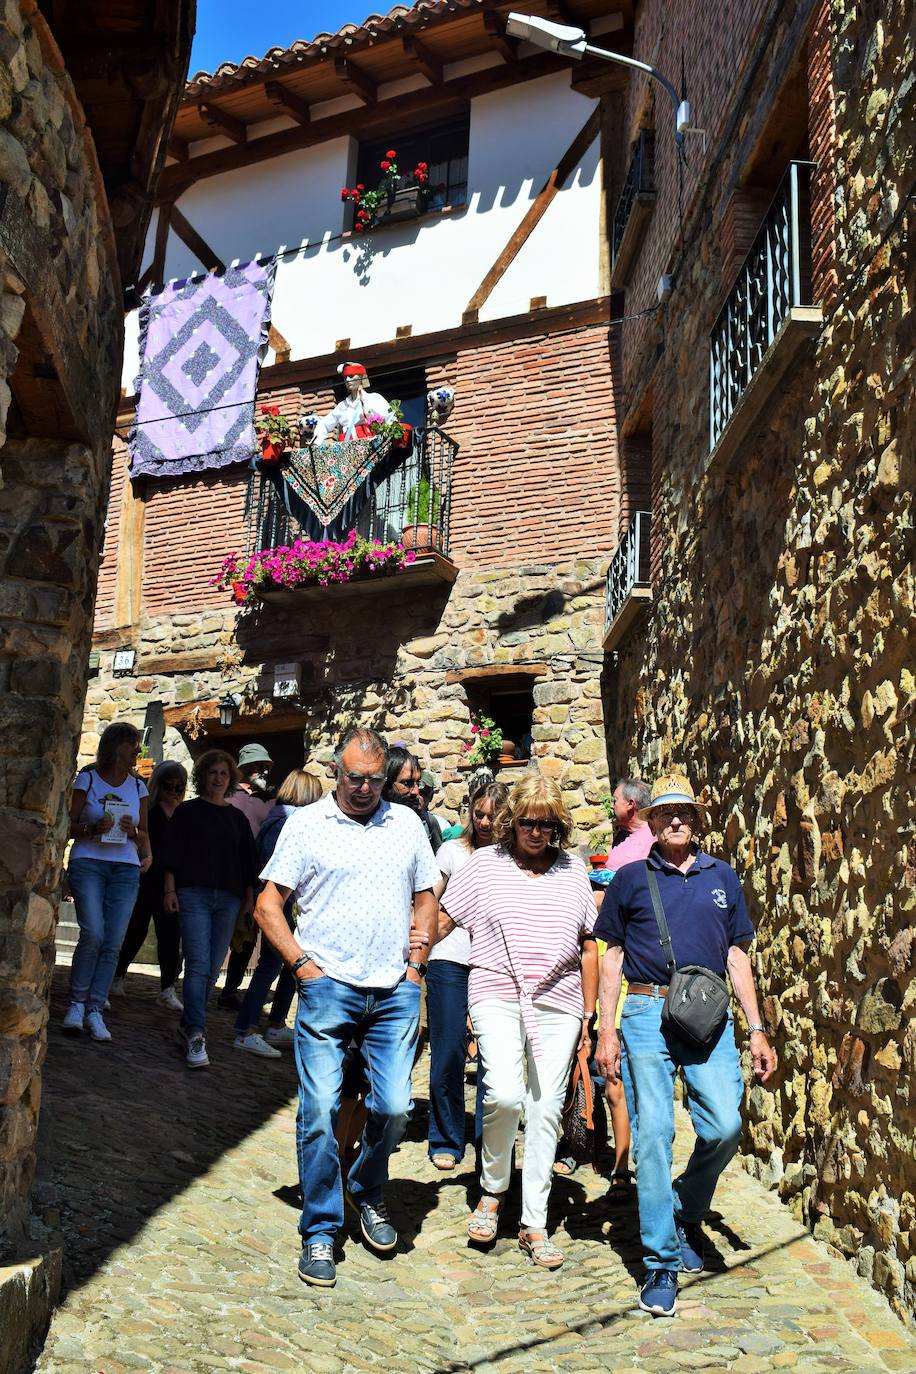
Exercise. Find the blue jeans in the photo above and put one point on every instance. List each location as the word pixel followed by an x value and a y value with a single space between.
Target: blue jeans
pixel 447 1009
pixel 269 965
pixel 104 895
pixel 712 1075
pixel 384 1022
pixel 208 916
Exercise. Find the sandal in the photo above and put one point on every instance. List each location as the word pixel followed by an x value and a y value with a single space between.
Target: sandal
pixel 483 1220
pixel 540 1250
pixel 620 1186
pixel 444 1163
pixel 565 1166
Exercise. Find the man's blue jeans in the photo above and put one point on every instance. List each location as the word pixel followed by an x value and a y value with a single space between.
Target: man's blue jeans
pixel 447 1009
pixel 384 1022
pixel 715 1087
pixel 104 895
pixel 208 916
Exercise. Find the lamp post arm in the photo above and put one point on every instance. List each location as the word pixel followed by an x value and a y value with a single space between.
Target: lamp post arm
pixel 640 66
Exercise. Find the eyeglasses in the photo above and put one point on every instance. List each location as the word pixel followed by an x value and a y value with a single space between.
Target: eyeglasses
pixel 373 779
pixel 172 787
pixel 412 786
pixel 527 823
pixel 688 814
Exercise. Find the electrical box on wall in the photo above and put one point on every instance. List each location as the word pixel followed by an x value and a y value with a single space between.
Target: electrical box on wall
pixel 287 679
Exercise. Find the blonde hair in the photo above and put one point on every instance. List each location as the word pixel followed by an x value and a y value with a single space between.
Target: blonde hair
pixel 299 788
pixel 539 798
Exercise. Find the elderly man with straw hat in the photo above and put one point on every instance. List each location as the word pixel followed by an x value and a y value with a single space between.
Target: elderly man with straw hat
pixel 679 917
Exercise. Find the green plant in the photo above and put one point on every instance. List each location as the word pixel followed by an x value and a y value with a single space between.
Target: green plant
pixel 394 428
pixel 269 424
pixel 487 741
pixel 420 500
pixel 599 840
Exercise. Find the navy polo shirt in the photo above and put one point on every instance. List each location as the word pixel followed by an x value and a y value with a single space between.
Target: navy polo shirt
pixel 704 908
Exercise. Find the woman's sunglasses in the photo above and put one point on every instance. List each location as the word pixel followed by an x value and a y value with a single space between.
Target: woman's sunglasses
pixel 528 823
pixel 172 787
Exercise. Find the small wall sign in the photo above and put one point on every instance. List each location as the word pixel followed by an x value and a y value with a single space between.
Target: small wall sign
pixel 287 679
pixel 124 661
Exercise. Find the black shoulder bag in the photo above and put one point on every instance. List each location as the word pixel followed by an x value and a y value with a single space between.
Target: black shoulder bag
pixel 697 999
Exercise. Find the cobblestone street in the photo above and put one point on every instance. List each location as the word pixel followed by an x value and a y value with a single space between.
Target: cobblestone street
pixel 174 1194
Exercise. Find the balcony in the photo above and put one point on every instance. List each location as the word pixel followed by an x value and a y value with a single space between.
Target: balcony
pixel 409 503
pixel 629 586
pixel 766 319
pixel 634 209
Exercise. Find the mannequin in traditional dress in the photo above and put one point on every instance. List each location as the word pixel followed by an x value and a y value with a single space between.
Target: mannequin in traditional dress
pixel 352 418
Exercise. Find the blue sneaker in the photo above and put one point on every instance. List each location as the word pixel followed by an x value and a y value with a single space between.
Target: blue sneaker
pixel 658 1293
pixel 690 1235
pixel 316 1264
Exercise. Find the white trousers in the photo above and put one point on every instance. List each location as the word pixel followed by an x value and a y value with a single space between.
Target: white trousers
pixel 503 1047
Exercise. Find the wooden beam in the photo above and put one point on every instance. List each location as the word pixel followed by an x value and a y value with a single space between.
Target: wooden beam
pixel 426 105
pixel 131 529
pixel 495 25
pixel 224 123
pixel 422 58
pixel 178 148
pixel 198 246
pixel 356 80
pixel 279 345
pixel 288 102
pixel 570 159
pixel 560 11
pixel 154 272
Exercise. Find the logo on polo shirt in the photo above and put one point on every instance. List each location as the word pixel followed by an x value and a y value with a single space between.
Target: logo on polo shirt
pixel 719 897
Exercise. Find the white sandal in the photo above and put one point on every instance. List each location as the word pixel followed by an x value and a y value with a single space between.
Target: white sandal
pixel 540 1249
pixel 483 1220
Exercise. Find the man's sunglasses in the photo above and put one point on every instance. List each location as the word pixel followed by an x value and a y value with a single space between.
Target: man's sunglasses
pixel 528 823
pixel 373 779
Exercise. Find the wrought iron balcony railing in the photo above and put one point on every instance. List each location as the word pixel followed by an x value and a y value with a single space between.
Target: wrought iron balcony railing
pixel 409 501
pixel 774 279
pixel 629 579
pixel 638 194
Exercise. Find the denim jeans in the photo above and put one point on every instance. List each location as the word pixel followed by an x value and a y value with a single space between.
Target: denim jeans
pixel 269 965
pixel 447 1009
pixel 712 1074
pixel 103 894
pixel 207 921
pixel 384 1022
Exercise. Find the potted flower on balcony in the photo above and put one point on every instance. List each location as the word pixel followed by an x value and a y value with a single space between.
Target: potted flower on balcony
pixel 487 743
pixel 395 429
pixel 422 508
pixel 274 432
pixel 393 199
pixel 145 764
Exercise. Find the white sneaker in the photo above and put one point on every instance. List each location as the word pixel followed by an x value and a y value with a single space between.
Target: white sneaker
pixel 197 1057
pixel 74 1016
pixel 168 997
pixel 256 1044
pixel 96 1027
pixel 117 988
pixel 280 1036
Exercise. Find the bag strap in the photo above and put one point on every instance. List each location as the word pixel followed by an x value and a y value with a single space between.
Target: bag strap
pixel 660 919
pixel 582 1065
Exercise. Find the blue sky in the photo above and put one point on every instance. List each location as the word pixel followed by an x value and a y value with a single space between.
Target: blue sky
pixel 228 30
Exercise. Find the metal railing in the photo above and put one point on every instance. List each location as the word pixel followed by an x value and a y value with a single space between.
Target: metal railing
pixel 774 277
pixel 640 180
pixel 411 488
pixel 630 567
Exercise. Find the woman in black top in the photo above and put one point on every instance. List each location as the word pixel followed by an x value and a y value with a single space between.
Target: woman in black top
pixel 167 787
pixel 210 870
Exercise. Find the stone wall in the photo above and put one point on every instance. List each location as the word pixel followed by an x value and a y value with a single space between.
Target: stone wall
pixel 775 666
pixel 60 351
pixel 392 657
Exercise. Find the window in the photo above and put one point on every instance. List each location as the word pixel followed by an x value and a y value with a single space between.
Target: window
pixel 508 698
pixel 444 148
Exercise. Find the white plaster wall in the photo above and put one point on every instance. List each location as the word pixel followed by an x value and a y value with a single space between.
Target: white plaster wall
pixel 421 274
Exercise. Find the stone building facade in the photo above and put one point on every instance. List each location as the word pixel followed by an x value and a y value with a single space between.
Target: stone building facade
pixel 75 195
pixel 772 663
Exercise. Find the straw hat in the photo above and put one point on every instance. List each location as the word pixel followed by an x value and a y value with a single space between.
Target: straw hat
pixel 672 789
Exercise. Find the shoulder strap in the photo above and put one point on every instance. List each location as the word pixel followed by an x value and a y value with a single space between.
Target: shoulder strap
pixel 660 920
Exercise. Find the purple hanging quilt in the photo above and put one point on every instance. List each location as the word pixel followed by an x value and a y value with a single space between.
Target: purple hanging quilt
pixel 201 346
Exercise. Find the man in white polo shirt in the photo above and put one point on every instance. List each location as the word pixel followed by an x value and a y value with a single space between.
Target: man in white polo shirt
pixel 359 868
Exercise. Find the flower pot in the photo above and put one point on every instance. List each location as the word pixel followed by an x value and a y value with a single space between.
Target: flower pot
pixel 507 751
pixel 598 860
pixel 405 203
pixel 271 452
pixel 144 768
pixel 419 538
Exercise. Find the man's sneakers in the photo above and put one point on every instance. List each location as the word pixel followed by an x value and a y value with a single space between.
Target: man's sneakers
pixel 96 1027
pixel 74 1016
pixel 196 1056
pixel 256 1044
pixel 316 1264
pixel 658 1293
pixel 375 1225
pixel 690 1236
pixel 281 1037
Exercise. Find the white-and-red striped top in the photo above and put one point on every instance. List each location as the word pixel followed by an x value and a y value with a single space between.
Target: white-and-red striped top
pixel 526 932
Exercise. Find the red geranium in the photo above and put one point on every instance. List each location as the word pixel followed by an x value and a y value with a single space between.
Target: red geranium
pixel 391 153
pixel 385 165
pixel 345 194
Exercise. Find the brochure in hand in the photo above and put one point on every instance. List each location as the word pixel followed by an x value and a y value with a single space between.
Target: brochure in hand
pixel 115 809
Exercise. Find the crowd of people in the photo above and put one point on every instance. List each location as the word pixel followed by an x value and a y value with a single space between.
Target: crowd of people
pixel 361 894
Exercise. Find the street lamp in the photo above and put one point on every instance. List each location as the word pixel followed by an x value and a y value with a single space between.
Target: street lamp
pixel 571 42
pixel 227 709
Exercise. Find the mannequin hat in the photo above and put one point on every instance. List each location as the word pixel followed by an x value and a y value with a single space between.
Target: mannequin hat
pixel 351 370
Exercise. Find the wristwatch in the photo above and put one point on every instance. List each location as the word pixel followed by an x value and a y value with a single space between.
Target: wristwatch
pixel 756 1026
pixel 418 968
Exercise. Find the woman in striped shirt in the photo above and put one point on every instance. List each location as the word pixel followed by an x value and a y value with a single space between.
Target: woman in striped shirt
pixel 527 906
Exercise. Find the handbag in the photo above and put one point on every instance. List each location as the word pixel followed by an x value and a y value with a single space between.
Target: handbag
pixel 697 999
pixel 578 1118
